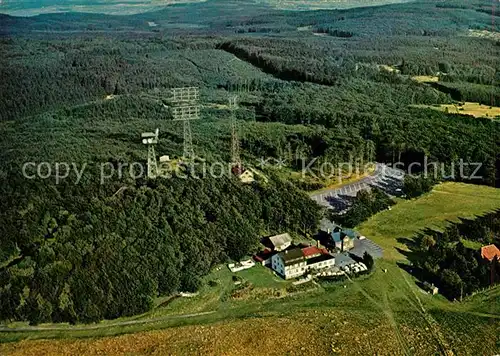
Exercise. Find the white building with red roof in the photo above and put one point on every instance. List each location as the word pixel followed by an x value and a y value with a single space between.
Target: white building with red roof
pixel 296 262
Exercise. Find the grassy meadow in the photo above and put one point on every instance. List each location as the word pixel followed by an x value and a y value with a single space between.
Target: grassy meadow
pixel 425 78
pixel 466 108
pixel 447 202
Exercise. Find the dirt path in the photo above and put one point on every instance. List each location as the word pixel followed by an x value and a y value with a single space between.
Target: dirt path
pixel 388 312
pixel 433 324
pixel 103 326
pixel 386 309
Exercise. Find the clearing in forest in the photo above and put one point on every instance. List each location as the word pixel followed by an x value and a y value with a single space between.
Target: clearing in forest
pixel 484 34
pixel 426 78
pixel 466 108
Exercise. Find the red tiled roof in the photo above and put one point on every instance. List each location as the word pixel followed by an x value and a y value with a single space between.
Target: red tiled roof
pixel 311 251
pixel 258 258
pixel 489 252
pixel 263 255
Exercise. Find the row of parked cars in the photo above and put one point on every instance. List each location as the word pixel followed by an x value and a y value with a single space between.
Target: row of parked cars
pixel 354 268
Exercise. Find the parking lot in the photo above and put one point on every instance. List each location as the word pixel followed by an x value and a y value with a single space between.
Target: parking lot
pixel 340 199
pixel 366 245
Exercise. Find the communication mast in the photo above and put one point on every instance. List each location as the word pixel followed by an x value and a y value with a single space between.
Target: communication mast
pixel 150 139
pixel 185 108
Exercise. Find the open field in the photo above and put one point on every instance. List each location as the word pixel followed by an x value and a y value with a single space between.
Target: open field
pixel 426 78
pixel 112 7
pixel 388 68
pixel 484 34
pixel 383 311
pixel 468 108
pixel 445 203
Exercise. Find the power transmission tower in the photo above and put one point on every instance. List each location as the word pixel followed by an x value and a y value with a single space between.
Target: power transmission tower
pixel 150 139
pixel 235 143
pixel 185 108
pixel 186 113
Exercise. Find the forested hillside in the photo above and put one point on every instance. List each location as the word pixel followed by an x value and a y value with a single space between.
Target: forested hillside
pixel 81 88
pixel 130 242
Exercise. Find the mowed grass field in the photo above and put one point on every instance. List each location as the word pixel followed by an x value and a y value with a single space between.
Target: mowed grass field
pixel 467 108
pixel 447 202
pixel 426 78
pixel 384 313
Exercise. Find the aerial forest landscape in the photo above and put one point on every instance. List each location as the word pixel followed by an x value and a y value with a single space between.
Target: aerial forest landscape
pixel 235 177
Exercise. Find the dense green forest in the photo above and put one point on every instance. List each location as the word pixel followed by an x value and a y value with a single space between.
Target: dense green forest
pixel 415 186
pixel 130 242
pixel 443 258
pixel 302 97
pixel 484 94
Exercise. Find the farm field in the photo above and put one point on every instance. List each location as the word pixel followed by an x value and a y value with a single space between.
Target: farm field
pixel 385 311
pixel 426 78
pixel 467 108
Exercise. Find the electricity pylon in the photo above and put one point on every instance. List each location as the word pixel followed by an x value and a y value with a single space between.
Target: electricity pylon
pixel 235 143
pixel 150 139
pixel 186 113
pixel 185 108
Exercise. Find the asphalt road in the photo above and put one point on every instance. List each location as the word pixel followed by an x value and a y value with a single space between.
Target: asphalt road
pixel 386 178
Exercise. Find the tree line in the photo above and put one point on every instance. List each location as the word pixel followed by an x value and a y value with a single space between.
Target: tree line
pixel 444 259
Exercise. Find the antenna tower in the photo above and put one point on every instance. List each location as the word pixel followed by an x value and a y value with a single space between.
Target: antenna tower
pixel 185 108
pixel 150 139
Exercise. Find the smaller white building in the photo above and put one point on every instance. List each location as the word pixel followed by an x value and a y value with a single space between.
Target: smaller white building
pixel 240 266
pixel 281 242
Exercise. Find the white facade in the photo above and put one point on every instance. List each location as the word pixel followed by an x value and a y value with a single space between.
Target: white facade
pixel 281 242
pixel 291 271
pixel 322 264
pixel 236 267
pixel 299 268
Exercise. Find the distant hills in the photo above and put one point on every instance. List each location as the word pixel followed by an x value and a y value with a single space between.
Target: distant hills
pixel 130 7
pixel 112 7
pixel 326 4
